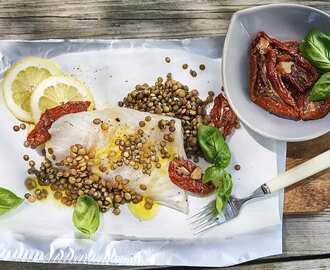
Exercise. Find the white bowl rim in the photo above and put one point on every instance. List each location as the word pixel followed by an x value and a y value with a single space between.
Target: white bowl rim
pixel 224 60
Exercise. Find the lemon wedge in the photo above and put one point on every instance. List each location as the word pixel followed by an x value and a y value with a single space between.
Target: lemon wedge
pixel 21 79
pixel 57 90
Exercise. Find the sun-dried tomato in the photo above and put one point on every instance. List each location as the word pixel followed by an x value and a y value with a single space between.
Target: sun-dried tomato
pixel 300 73
pixel 40 134
pixel 311 110
pixel 222 115
pixel 280 79
pixel 275 78
pixel 185 181
pixel 261 89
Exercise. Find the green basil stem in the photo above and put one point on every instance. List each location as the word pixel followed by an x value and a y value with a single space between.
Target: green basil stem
pixel 216 151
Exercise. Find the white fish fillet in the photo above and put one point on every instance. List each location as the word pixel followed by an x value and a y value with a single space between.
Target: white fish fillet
pixel 78 128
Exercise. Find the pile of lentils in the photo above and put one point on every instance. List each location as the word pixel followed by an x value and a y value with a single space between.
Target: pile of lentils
pixel 172 98
pixel 72 177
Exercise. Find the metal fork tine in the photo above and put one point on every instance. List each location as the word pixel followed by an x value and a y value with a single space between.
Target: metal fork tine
pixel 205 228
pixel 208 217
pixel 211 219
pixel 209 205
pixel 230 203
pixel 228 211
pixel 203 224
pixel 198 214
pixel 220 219
pixel 203 216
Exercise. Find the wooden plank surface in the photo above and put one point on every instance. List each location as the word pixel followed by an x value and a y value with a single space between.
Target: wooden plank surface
pixel 291 265
pixel 306 238
pixel 313 194
pixel 38 19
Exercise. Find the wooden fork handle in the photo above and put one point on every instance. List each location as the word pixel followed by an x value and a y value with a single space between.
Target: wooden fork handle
pixel 300 172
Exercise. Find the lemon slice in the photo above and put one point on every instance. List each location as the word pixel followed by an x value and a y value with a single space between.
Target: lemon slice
pixel 21 79
pixel 57 90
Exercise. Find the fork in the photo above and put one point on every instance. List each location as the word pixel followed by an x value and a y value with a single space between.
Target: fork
pixel 208 217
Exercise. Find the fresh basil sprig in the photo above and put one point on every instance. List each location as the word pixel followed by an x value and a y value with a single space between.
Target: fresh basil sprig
pixel 86 215
pixel 216 151
pixel 321 89
pixel 316 48
pixel 213 145
pixel 8 200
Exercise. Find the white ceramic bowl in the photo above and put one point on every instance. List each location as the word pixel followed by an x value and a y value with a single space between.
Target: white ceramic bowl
pixel 283 21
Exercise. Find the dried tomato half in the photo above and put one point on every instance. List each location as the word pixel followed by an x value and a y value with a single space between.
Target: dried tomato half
pixel 280 79
pixel 275 78
pixel 261 88
pixel 180 172
pixel 311 110
pixel 222 115
pixel 40 134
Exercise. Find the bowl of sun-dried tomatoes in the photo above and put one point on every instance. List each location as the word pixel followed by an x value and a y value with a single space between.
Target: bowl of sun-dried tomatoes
pixel 276 70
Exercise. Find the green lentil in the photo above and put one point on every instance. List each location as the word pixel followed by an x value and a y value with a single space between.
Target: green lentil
pixel 237 167
pixel 104 126
pixel 26 144
pixel 193 73
pixel 32 198
pixel 22 126
pixel 97 121
pixel 32 163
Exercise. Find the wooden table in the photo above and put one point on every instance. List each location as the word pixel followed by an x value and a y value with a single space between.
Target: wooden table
pixel 306 238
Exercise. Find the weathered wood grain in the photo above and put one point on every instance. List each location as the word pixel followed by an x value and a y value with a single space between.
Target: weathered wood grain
pixel 307 235
pixel 291 265
pixel 313 194
pixel 122 19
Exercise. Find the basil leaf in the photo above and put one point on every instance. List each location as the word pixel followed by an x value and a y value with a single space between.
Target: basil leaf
pixel 213 145
pixel 321 89
pixel 316 48
pixel 224 192
pixel 227 185
pixel 214 174
pixel 86 215
pixel 219 205
pixel 8 200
